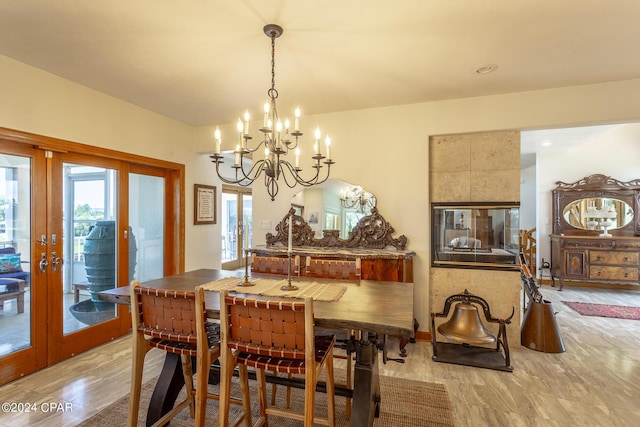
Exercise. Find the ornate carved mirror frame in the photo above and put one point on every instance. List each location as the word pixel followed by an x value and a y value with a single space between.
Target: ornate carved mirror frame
pixel 596 186
pixel 371 232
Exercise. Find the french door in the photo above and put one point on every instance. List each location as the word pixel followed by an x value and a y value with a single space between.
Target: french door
pixel 236 225
pixel 77 224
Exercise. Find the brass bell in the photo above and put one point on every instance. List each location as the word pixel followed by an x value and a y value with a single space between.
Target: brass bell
pixel 466 327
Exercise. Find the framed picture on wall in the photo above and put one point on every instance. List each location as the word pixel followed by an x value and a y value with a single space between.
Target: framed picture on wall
pixel 204 198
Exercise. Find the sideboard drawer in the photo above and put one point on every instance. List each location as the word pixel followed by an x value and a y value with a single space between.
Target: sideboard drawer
pixel 601 244
pixel 615 258
pixel 613 273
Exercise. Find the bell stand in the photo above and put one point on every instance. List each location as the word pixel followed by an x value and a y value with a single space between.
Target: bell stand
pixel 469 355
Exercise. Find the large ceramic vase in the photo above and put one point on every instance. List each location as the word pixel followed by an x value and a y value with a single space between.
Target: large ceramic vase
pixel 100 266
pixel 100 260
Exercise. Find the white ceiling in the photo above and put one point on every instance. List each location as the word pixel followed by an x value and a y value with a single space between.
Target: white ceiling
pixel 204 62
pixel 534 141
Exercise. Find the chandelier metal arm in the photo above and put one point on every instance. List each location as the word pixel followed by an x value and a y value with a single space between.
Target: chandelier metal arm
pixel 246 179
pixel 272 186
pixel 298 179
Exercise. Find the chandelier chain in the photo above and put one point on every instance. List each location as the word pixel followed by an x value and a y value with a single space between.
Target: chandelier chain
pixel 273 93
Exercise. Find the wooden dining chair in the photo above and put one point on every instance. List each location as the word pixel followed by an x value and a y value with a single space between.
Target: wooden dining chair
pixel 275 336
pixel 175 321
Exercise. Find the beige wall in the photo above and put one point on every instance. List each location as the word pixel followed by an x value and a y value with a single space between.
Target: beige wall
pixel 384 149
pixel 477 167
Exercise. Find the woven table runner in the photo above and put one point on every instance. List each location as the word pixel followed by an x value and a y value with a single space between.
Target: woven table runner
pixel 271 288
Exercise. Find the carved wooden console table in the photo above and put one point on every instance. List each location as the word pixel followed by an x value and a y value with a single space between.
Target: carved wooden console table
pixel 370 252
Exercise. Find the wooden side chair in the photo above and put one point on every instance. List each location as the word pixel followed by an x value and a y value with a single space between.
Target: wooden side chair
pixel 275 336
pixel 174 321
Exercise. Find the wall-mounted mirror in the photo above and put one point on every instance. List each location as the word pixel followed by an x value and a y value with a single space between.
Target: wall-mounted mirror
pixel 593 213
pixel 333 205
pixel 595 205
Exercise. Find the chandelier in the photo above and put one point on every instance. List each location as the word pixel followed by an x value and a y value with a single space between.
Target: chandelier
pixel 278 139
pixel 357 198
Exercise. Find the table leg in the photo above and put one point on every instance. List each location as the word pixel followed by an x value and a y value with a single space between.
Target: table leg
pixel 166 391
pixel 366 387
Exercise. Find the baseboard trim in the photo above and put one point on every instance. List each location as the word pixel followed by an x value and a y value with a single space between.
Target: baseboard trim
pixel 596 285
pixel 423 336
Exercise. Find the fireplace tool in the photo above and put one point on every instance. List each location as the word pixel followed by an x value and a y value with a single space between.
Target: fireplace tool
pixel 539 330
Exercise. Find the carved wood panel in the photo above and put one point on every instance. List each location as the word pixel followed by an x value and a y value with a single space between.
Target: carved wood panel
pixel 372 232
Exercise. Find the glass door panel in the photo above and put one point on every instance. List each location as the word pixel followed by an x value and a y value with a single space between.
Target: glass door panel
pixel 85 250
pixel 146 227
pixel 236 226
pixel 15 249
pixel 89 230
pixel 230 229
pixel 248 223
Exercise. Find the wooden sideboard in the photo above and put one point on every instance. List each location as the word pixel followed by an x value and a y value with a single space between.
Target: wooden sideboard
pixel 596 231
pixel 596 259
pixel 351 264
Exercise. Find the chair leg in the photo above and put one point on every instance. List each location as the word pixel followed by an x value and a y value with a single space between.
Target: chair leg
pixel 187 373
pixel 349 383
pixel 140 349
pixel 310 382
pixel 246 394
pixel 331 403
pixel 227 364
pixel 202 384
pixel 289 393
pixel 262 396
pixel 274 391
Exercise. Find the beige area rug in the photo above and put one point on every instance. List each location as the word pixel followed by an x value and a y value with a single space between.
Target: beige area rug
pixel 271 288
pixel 405 403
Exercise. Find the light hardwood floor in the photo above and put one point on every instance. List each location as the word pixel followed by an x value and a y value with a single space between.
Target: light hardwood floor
pixel 595 383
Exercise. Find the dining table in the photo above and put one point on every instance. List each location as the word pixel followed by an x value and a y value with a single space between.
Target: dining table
pixel 376 309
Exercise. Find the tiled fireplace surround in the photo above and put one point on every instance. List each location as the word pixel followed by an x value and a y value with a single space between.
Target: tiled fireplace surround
pixel 477 167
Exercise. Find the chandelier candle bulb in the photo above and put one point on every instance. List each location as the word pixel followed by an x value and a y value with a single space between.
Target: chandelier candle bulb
pixel 297 158
pixel 316 146
pixel 266 114
pixel 278 134
pixel 237 162
pixel 246 122
pixel 297 120
pixel 240 128
pixel 327 141
pixel 217 136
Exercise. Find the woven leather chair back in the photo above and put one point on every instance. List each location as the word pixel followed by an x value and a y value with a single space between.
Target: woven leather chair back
pixel 167 315
pixel 268 328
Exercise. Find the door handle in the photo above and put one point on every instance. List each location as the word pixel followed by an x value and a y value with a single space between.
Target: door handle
pixel 44 263
pixel 55 261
